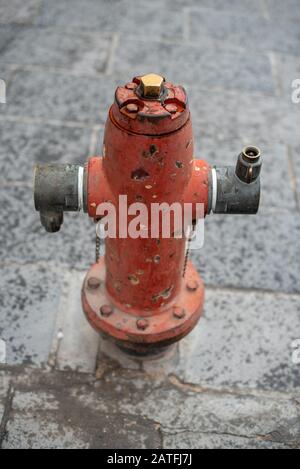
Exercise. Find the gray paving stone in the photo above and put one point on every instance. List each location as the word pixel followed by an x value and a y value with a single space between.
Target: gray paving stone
pixel 65 424
pixel 200 65
pixel 18 11
pixel 255 7
pixel 28 401
pixel 75 344
pixel 190 440
pixel 252 252
pixel 4 387
pixel 28 242
pixel 7 34
pixel 261 417
pixel 23 145
pixel 288 69
pixel 91 14
pixel 295 155
pixel 244 339
pixel 108 16
pixel 29 298
pixel 81 52
pixel 54 96
pixel 2 351
pixel 289 9
pixel 5 73
pixel 37 432
pixel 138 22
pixel 237 30
pixel 276 183
pixel 252 116
pixel 130 410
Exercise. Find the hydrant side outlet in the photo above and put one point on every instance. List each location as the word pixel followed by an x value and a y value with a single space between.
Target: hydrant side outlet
pixel 144 294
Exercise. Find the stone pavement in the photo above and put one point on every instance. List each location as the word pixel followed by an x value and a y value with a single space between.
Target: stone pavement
pixel 233 383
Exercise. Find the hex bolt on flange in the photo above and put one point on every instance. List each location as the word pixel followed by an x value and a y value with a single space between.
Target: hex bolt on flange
pixel 171 108
pixel 94 283
pixel 132 107
pixel 192 285
pixel 178 312
pixel 148 153
pixel 142 324
pixel 131 86
pixel 106 310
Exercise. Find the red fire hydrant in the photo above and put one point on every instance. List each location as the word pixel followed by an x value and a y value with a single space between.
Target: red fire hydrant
pixel 143 294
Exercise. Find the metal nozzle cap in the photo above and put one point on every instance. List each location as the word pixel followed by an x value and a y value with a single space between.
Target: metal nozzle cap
pixel 249 164
pixel 152 86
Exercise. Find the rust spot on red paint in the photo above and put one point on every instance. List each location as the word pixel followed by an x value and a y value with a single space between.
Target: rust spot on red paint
pixel 165 294
pixel 153 150
pixel 139 174
pixel 134 279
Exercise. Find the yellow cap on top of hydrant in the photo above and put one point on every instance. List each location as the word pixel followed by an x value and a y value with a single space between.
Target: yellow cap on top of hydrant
pixel 152 85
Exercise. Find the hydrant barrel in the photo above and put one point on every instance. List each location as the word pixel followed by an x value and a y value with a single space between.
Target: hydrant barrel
pixel 146 273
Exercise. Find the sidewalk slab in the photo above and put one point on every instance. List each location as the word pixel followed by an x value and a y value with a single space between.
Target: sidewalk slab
pixel 29 297
pixel 73 246
pixel 18 11
pixel 190 440
pixel 249 7
pixel 260 417
pixel 295 152
pixel 4 387
pixel 56 421
pixel 48 96
pixel 203 62
pixel 289 9
pixel 22 145
pixel 254 116
pixel 74 52
pixel 258 252
pixel 132 410
pixel 243 340
pixel 90 15
pixel 236 30
pixel 75 343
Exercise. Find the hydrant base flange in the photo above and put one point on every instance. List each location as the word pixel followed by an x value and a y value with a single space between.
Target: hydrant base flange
pixel 142 332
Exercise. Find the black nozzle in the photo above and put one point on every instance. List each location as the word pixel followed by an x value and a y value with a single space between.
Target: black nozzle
pixel 236 190
pixel 248 164
pixel 58 188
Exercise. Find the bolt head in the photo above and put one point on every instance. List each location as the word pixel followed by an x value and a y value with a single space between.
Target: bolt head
pixel 178 312
pixel 192 285
pixel 131 86
pixel 142 324
pixel 171 108
pixel 106 310
pixel 152 85
pixel 132 108
pixel 94 283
